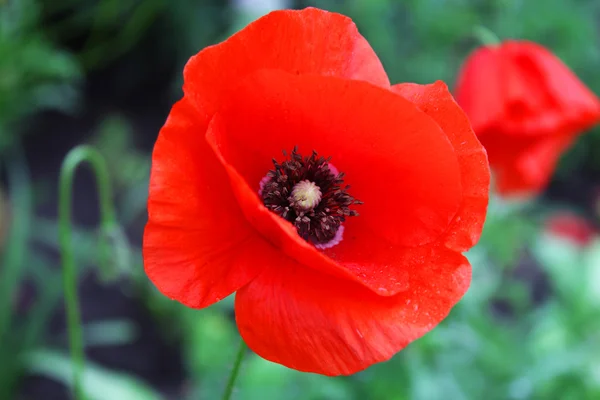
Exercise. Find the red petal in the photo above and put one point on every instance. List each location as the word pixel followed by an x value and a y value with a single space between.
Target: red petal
pixel 437 102
pixel 523 165
pixel 572 227
pixel 521 89
pixel 396 158
pixel 479 89
pixel 197 243
pixel 310 41
pixel 194 220
pixel 312 322
pixel 541 95
pixel 579 107
pixel 528 104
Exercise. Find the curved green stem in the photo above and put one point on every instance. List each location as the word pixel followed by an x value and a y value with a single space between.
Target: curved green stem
pixel 486 36
pixel 235 370
pixel 69 166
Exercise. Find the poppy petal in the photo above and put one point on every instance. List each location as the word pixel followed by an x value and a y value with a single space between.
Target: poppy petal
pixel 309 41
pixel 524 165
pixel 478 86
pixel 437 102
pixel 197 243
pixel 579 107
pixel 312 322
pixel 531 106
pixel 527 102
pixel 386 146
pixel 280 232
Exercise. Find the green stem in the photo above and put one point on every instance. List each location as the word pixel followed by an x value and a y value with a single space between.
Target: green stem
pixel 73 159
pixel 235 371
pixel 486 36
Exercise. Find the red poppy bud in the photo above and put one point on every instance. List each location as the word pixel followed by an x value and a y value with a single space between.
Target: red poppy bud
pixel 336 205
pixel 526 108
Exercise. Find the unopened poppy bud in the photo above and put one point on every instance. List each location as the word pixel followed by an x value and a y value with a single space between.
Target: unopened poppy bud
pixel 306 195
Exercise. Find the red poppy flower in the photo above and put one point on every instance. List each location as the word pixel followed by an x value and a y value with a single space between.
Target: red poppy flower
pixel 571 227
pixel 527 108
pixel 319 288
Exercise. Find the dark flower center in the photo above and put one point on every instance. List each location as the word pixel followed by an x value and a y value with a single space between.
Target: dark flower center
pixel 308 192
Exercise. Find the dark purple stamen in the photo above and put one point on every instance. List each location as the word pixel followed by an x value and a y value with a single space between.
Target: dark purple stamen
pixel 305 191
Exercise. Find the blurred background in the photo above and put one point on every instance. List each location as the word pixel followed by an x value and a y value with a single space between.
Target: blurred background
pixel 105 73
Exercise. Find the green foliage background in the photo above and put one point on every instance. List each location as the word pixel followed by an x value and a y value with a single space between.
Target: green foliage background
pixel 503 341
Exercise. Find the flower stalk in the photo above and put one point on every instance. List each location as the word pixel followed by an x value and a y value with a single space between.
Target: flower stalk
pixel 235 370
pixel 485 36
pixel 74 158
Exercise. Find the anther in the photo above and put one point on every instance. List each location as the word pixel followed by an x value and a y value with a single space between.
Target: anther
pixel 309 192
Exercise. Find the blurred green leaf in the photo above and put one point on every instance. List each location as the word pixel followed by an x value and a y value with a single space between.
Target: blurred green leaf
pixel 12 269
pixel 99 383
pixel 35 74
pixel 110 333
